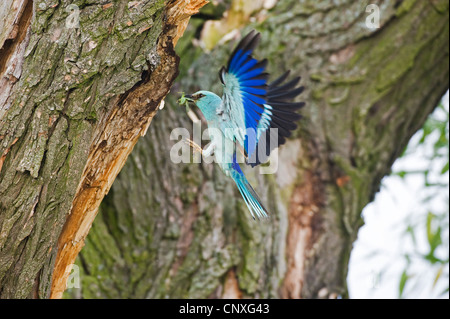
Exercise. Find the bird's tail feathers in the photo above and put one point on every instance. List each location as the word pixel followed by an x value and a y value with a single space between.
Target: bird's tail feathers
pixel 252 199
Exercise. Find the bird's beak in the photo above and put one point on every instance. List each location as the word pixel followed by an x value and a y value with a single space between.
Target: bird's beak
pixel 190 98
pixel 186 99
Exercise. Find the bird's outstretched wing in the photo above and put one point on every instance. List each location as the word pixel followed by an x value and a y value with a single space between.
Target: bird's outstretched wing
pixel 255 106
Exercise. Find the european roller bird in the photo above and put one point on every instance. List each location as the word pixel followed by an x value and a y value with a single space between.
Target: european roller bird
pixel 252 113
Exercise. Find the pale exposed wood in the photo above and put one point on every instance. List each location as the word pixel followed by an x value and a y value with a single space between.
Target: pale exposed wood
pixel 15 16
pixel 304 220
pixel 231 286
pixel 180 12
pixel 10 12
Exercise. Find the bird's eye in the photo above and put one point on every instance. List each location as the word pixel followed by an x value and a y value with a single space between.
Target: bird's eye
pixel 200 95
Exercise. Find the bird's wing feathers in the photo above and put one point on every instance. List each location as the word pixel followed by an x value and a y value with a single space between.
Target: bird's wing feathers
pixel 253 106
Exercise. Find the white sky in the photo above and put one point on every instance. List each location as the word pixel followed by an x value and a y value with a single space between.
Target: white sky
pixel 377 260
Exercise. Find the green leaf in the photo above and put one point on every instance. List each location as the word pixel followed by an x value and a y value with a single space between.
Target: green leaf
pixel 401 174
pixel 438 275
pixel 430 217
pixel 445 168
pixel 410 230
pixel 434 239
pixel 403 279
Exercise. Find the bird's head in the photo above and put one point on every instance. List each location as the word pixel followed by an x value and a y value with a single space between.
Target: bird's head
pixel 206 101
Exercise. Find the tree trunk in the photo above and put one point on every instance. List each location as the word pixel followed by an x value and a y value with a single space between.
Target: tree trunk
pixel 80 83
pixel 171 230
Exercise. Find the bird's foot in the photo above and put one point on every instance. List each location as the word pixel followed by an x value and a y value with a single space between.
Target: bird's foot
pixel 241 149
pixel 194 145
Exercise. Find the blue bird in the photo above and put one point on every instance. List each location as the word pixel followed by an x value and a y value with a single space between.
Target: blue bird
pixel 255 114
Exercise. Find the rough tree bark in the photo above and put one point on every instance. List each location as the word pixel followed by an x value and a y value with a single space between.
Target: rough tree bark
pixel 80 83
pixel 171 230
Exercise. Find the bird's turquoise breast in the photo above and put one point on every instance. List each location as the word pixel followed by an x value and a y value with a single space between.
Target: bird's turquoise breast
pixel 224 148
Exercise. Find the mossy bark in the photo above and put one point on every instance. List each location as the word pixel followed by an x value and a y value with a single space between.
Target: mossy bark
pixel 182 231
pixel 81 81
